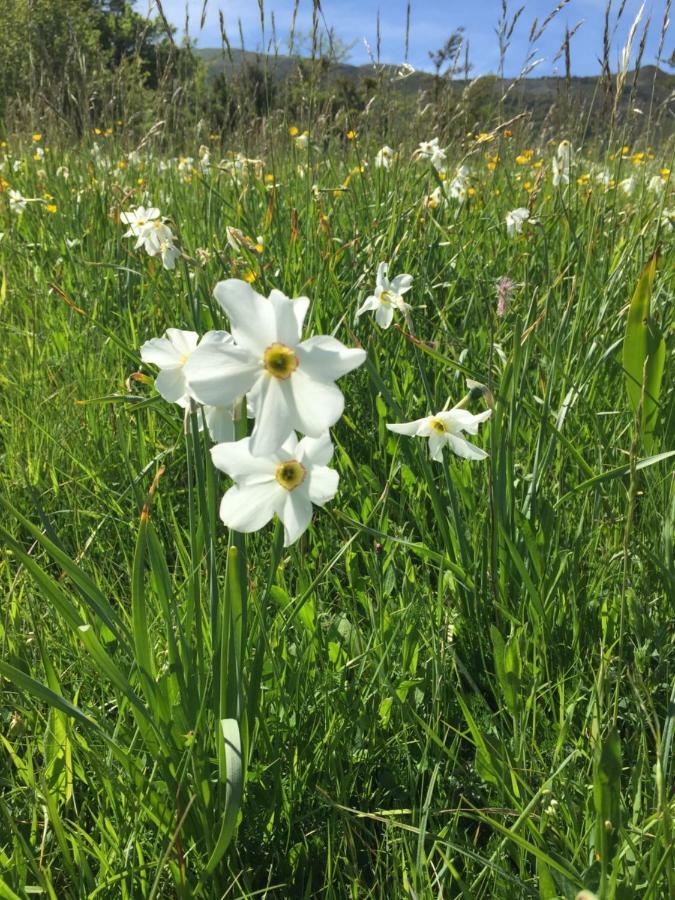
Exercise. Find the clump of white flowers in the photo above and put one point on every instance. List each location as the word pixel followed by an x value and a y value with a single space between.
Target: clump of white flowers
pixel 288 385
pixel 152 233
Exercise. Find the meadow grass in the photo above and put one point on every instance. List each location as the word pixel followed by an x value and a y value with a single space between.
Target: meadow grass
pixel 459 682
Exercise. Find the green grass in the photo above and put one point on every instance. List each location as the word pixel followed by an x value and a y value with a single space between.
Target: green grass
pixel 460 681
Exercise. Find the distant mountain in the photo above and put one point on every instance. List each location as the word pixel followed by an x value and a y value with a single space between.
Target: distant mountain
pixel 653 86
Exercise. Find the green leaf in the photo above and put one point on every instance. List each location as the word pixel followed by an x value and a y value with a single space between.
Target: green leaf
pixel 234 789
pixel 644 356
pixel 607 796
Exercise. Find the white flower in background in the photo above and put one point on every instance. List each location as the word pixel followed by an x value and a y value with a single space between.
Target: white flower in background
pixel 384 158
pixel 561 172
pixel 138 219
pixel 286 483
pixel 63 172
pixel 134 158
pixel 604 178
pixel 628 185
pixel 169 253
pixel 668 220
pixel 656 184
pixel 290 383
pixel 388 296
pixel 170 353
pixel 204 158
pixel 458 187
pixel 17 165
pixel 431 151
pixel 516 219
pixel 445 428
pixel 17 202
pixel 185 163
pixel 435 199
pixel 39 153
pixel 302 140
pixel 564 152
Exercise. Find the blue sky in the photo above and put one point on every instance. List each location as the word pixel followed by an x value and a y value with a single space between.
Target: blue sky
pixel 431 22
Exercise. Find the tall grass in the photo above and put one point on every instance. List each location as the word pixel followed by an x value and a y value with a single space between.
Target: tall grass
pixel 459 682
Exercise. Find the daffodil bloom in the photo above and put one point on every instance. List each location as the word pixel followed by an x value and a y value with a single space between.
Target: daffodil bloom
pixel 138 219
pixel 445 429
pixel 431 151
pixel 17 202
pixel 384 158
pixel 290 383
pixel 656 184
pixel 516 219
pixel 170 354
pixel 388 296
pixel 286 483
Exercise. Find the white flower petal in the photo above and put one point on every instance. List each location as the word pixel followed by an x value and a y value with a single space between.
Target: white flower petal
pixel 381 279
pixel 236 460
pixel 296 514
pixel 322 484
pixel 274 410
pixel 316 451
pixel 250 507
pixel 414 429
pixel 220 423
pixel 326 359
pixel 384 315
pixel 368 305
pixel 317 405
pixel 170 383
pixel 218 372
pixel 288 316
pixel 465 449
pixel 436 444
pixel 401 284
pixel 462 420
pixel 251 315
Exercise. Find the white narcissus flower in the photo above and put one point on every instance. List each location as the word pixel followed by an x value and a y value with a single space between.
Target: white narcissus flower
pixel 446 428
pixel 170 354
pixel 431 151
pixel 286 483
pixel 628 185
pixel 17 202
pixel 656 184
pixel 561 169
pixel 388 296
pixel 384 158
pixel 290 383
pixel 138 219
pixel 516 219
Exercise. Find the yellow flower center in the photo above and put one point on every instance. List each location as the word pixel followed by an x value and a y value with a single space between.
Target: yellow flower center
pixel 438 426
pixel 280 361
pixel 290 474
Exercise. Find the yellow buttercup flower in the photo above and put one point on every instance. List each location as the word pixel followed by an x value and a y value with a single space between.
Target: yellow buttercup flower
pixel 293 131
pixel 249 276
pixel 37 137
pixel 351 135
pixel 51 207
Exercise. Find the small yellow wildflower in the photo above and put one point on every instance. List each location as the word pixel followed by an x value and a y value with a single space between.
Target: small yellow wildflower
pixel 351 135
pixel 122 164
pixel 250 276
pixel 108 132
pixel 471 191
pixel 269 178
pixel 484 137
pixel 664 172
pixel 37 137
pixel 51 207
pixel 140 182
pixel 97 131
pixel 521 159
pixel 538 163
pixel 528 186
pixel 507 133
pixel 293 131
